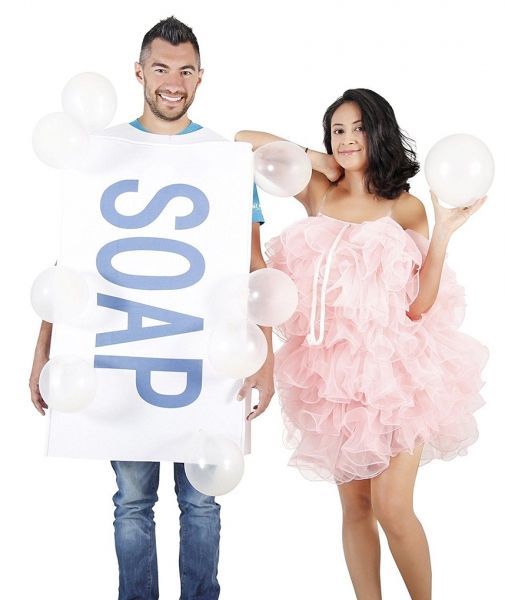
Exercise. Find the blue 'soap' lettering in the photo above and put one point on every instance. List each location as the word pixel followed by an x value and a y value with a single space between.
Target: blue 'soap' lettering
pixel 143 368
pixel 155 207
pixel 150 282
pixel 177 322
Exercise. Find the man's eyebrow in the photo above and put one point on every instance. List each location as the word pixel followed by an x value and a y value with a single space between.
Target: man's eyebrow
pixel 354 123
pixel 164 66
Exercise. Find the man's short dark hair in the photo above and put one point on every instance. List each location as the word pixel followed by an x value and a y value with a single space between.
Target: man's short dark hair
pixel 174 32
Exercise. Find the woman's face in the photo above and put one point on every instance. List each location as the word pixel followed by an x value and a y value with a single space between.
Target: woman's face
pixel 348 138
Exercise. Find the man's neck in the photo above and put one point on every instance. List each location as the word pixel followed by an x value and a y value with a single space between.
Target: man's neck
pixel 154 124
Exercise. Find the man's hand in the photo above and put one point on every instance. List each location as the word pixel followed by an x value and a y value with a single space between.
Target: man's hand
pixel 38 401
pixel 263 381
pixel 40 357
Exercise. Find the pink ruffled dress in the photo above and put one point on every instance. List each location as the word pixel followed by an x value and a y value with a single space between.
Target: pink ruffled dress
pixel 358 380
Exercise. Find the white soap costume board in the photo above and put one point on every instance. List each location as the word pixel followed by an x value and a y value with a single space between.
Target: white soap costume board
pixel 153 211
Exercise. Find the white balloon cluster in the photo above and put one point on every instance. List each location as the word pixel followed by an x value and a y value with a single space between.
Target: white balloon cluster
pixel 61 139
pixel 61 295
pixel 237 346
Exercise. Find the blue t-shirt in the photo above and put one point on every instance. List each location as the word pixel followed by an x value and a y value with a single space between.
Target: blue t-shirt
pixel 257 214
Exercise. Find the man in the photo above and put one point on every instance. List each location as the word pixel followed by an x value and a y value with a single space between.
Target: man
pixel 170 72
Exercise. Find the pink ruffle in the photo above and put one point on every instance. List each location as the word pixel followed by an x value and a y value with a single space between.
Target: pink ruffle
pixel 379 384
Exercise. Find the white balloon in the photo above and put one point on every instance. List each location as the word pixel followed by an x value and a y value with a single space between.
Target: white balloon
pixel 60 294
pixel 282 168
pixel 59 141
pixel 67 383
pixel 90 98
pixel 459 169
pixel 216 465
pixel 237 349
pixel 273 297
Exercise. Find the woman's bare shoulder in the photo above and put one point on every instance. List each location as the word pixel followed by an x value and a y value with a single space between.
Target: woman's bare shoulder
pixel 410 212
pixel 311 197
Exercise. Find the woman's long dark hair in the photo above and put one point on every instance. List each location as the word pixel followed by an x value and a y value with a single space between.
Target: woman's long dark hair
pixel 391 157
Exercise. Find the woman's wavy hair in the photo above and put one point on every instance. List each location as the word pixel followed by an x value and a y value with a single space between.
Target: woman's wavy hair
pixel 391 155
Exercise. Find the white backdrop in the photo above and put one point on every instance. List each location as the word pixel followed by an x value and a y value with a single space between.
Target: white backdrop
pixel 271 66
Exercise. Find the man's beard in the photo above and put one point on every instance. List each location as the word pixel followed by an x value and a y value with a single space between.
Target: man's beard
pixel 172 116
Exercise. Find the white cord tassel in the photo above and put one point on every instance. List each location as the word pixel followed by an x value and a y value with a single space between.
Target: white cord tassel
pixel 311 337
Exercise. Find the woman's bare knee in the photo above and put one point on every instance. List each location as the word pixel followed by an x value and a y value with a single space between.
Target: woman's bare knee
pixel 394 514
pixel 356 501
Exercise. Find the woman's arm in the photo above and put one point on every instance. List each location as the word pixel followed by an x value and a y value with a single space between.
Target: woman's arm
pixel 447 220
pixel 257 138
pixel 324 166
pixel 321 162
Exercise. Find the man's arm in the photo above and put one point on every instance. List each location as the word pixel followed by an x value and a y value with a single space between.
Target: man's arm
pixel 263 379
pixel 41 356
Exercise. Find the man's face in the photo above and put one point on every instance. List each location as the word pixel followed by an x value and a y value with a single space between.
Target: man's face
pixel 170 76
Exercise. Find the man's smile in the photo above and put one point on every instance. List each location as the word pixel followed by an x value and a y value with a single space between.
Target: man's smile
pixel 171 98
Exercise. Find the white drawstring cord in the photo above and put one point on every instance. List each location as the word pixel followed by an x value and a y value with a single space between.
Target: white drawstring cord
pixel 311 337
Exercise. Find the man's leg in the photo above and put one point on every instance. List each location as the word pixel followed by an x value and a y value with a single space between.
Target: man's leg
pixel 199 534
pixel 134 529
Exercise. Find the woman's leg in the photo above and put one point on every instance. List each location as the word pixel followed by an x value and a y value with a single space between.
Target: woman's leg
pixel 392 501
pixel 361 539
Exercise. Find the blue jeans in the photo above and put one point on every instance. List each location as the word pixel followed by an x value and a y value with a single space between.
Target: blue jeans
pixel 135 537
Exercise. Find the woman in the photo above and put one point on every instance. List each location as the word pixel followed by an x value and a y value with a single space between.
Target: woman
pixel 374 377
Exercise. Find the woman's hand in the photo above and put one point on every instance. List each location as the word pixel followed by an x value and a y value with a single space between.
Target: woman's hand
pixel 447 220
pixel 325 164
pixel 263 381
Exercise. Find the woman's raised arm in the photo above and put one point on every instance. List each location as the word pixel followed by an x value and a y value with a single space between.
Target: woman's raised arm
pixel 447 220
pixel 324 167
